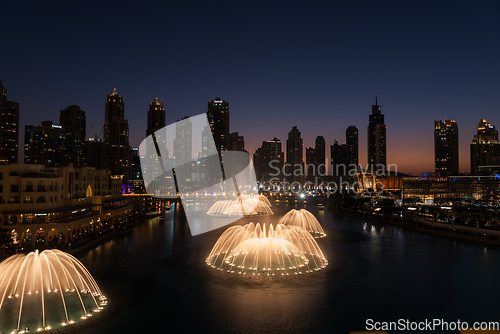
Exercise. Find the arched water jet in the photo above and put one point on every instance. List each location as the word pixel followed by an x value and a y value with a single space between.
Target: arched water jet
pixel 263 250
pixel 304 219
pixel 249 206
pixel 46 290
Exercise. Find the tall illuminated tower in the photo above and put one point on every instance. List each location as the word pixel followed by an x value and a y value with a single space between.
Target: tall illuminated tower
pixel 377 153
pixel 446 147
pixel 294 155
pixel 218 118
pixel 485 147
pixel 73 120
pixel 9 128
pixel 156 117
pixel 116 135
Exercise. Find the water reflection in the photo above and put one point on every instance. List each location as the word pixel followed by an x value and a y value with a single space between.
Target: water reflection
pixel 375 271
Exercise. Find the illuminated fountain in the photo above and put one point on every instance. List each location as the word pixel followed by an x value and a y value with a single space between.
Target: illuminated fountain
pixel 304 219
pixel 44 291
pixel 252 205
pixel 263 250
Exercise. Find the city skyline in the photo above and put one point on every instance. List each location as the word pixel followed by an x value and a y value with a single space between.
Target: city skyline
pixel 319 68
pixel 463 160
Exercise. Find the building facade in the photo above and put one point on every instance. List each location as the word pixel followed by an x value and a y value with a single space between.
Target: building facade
pixel 73 121
pixel 9 128
pixel 218 118
pixel 377 151
pixel 295 156
pixel 156 117
pixel 446 147
pixel 48 146
pixel 116 136
pixel 485 148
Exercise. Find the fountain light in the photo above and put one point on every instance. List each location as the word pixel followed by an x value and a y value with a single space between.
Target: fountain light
pixel 32 277
pixel 253 205
pixel 303 219
pixel 263 249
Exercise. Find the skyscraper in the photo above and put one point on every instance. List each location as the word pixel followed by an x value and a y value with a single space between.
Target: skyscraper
pixel 269 154
pixel 116 135
pixel 29 135
pixel 311 171
pixel 377 155
pixel 48 146
pixel 9 128
pixel 95 151
pixel 339 159
pixel 183 142
pixel 352 143
pixel 319 157
pixel 218 118
pixel 156 117
pixel 485 147
pixel 73 120
pixel 294 155
pixel 446 147
pixel 236 142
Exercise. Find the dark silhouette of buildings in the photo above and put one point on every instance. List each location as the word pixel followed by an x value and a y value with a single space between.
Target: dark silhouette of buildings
pixel 95 153
pixel 377 153
pixel 294 156
pixel 236 142
pixel 9 128
pixel 446 147
pixel 116 136
pixel 340 162
pixel 218 118
pixel 315 160
pixel 73 121
pixel 345 157
pixel 266 157
pixel 485 148
pixel 156 117
pixel 352 143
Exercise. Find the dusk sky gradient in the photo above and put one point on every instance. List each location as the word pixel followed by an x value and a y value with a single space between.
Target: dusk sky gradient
pixel 316 65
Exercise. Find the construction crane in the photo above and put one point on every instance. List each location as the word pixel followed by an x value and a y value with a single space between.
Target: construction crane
pixel 87 135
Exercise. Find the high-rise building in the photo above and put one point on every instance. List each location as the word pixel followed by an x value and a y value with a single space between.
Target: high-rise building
pixel 95 153
pixel 319 157
pixel 116 135
pixel 266 157
pixel 9 128
pixel 236 142
pixel 183 142
pixel 156 117
pixel 218 118
pixel 48 146
pixel 446 147
pixel 344 157
pixel 352 143
pixel 377 154
pixel 29 135
pixel 485 148
pixel 73 120
pixel 311 171
pixel 339 159
pixel 294 155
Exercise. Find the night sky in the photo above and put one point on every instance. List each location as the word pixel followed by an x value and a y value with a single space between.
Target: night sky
pixel 317 65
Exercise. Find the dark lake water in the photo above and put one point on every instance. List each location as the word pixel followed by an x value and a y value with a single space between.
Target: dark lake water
pixel 157 280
